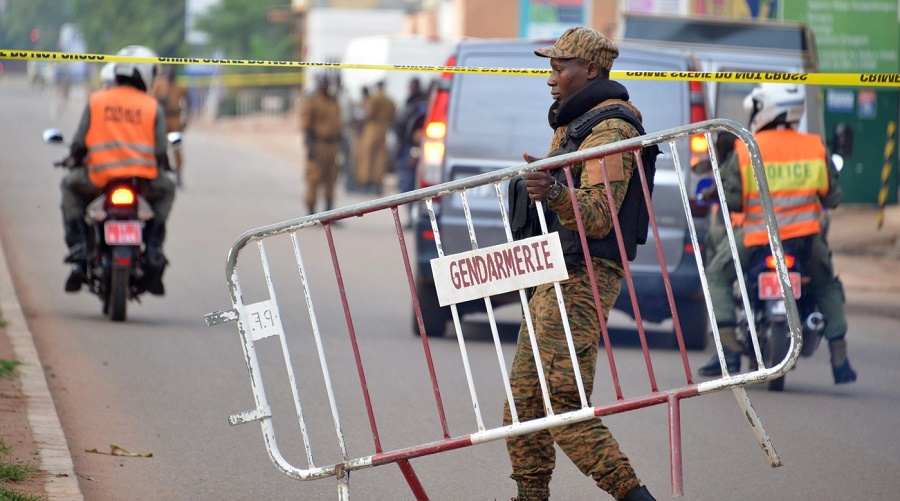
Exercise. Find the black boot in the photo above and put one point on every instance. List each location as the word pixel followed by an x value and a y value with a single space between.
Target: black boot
pixel 76 236
pixel 639 493
pixel 713 368
pixel 840 365
pixel 77 276
pixel 843 374
pixel 154 260
pixel 77 241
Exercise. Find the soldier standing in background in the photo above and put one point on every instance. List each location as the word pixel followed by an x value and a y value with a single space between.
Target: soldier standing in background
pixel 175 101
pixel 320 128
pixel 409 134
pixel 371 161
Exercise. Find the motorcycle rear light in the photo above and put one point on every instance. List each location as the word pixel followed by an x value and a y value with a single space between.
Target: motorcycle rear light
pixel 699 144
pixel 123 261
pixel 122 196
pixel 789 260
pixel 428 235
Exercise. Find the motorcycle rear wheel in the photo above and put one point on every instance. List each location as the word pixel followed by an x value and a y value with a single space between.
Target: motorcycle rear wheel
pixel 117 299
pixel 777 344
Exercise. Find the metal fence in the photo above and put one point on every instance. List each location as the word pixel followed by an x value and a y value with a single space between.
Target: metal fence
pixel 262 324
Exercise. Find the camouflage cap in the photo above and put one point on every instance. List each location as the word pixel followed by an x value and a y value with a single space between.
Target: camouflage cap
pixel 586 43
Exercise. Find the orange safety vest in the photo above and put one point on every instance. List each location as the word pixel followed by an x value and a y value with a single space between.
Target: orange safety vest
pixel 797 176
pixel 121 139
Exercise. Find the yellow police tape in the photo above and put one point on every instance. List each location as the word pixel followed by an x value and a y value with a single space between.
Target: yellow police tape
pixel 836 79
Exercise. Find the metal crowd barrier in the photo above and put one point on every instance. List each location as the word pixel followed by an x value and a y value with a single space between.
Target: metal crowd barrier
pixel 259 321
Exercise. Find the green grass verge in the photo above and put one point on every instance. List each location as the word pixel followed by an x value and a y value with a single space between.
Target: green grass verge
pixel 8 368
pixel 12 472
pixel 7 494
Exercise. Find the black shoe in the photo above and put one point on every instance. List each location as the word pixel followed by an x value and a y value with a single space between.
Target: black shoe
pixel 639 493
pixel 843 373
pixel 76 277
pixel 154 265
pixel 713 368
pixel 156 288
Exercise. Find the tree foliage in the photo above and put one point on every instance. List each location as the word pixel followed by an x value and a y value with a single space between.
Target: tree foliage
pixel 241 30
pixel 109 25
pixel 23 16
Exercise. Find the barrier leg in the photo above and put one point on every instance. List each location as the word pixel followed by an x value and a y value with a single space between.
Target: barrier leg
pixel 756 425
pixel 675 446
pixel 343 478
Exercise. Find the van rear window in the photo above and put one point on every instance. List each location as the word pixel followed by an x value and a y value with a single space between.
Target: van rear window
pixel 518 103
pixel 743 34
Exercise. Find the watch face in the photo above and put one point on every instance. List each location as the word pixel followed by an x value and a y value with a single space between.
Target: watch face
pixel 555 191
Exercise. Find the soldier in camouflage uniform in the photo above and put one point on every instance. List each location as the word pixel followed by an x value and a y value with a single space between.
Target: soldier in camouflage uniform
pixel 371 162
pixel 320 124
pixel 580 62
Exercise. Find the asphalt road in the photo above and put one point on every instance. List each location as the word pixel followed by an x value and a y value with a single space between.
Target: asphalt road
pixel 165 383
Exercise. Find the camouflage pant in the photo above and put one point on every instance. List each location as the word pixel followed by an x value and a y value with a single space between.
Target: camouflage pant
pixel 589 444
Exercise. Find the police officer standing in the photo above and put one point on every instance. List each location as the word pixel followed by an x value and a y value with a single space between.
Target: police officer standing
pixel 320 127
pixel 373 155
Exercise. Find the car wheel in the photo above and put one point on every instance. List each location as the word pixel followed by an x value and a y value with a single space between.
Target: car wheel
pixel 434 316
pixel 694 324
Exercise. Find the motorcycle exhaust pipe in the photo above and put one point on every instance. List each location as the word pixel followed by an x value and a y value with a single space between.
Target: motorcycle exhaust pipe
pixel 815 322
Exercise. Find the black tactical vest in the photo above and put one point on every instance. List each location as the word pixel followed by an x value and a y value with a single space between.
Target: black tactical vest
pixel 634 220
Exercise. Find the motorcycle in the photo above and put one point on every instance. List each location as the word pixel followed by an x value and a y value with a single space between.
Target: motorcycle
pixel 768 312
pixel 119 268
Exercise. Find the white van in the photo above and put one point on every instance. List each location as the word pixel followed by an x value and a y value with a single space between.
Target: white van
pixel 392 50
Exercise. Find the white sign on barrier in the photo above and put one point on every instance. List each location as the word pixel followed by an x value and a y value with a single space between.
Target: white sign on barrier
pixel 262 320
pixel 499 269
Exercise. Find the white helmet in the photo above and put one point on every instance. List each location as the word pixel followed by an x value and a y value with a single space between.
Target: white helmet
pixel 108 75
pixel 771 103
pixel 145 72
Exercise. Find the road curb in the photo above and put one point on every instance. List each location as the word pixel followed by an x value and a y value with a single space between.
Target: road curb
pixel 56 460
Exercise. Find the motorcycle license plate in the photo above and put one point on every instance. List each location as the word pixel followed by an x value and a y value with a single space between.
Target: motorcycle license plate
pixel 122 232
pixel 770 286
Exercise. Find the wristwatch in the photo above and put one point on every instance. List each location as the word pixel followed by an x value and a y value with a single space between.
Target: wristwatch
pixel 556 190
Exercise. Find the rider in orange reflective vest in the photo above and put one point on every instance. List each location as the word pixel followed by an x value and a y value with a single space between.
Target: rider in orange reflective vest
pixel 802 182
pixel 122 134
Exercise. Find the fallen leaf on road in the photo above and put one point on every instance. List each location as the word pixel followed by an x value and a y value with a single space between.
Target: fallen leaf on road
pixel 115 450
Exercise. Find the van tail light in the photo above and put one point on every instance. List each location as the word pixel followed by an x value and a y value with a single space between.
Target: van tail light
pixel 699 146
pixel 432 161
pixel 451 61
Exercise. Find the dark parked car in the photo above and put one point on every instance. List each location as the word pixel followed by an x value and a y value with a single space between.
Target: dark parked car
pixel 483 122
